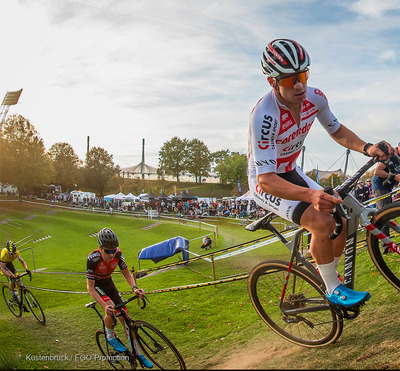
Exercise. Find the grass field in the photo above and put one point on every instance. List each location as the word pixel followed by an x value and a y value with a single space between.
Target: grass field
pixel 214 327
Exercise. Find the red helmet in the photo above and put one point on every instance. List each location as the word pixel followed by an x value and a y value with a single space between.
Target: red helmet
pixel 284 56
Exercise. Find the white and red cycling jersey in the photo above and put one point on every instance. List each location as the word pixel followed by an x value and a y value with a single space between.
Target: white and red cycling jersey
pixel 275 142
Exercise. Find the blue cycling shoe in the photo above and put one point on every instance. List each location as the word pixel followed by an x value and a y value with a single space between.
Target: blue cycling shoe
pixel 117 345
pixel 346 297
pixel 146 363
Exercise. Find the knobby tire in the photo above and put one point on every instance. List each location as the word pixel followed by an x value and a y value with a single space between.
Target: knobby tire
pixel 15 308
pixel 387 264
pixel 157 348
pixel 34 306
pixel 321 326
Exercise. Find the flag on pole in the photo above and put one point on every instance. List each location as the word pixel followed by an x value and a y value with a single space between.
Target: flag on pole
pixel 316 176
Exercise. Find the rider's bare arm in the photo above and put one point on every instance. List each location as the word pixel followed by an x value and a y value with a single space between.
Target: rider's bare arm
pixel 349 139
pixel 380 171
pixel 23 262
pixel 132 283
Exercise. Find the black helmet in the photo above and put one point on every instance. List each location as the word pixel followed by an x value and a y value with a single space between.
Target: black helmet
pixel 10 246
pixel 284 56
pixel 107 239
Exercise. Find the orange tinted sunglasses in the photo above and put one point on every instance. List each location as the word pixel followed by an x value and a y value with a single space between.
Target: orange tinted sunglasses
pixel 290 81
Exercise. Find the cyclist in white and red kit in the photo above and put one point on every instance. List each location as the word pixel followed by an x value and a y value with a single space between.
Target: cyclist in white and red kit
pixel 279 124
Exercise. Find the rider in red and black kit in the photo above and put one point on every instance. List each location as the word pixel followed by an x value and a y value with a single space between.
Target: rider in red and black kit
pixel 100 265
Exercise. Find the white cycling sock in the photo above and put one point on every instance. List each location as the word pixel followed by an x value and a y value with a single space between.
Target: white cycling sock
pixel 336 259
pixel 110 333
pixel 328 274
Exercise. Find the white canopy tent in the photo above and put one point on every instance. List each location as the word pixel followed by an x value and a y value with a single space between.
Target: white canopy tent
pixel 109 197
pixel 119 196
pixel 246 196
pixel 131 197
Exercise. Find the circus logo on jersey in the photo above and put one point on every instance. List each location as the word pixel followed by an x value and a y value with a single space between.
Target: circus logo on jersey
pixel 270 199
pixel 263 144
pixel 267 134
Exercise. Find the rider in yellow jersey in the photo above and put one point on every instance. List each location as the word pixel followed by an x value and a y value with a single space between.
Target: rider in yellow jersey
pixel 8 255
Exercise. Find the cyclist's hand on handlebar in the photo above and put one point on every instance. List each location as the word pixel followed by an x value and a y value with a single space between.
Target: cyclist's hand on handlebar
pixel 109 309
pixel 138 292
pixel 379 150
pixel 325 202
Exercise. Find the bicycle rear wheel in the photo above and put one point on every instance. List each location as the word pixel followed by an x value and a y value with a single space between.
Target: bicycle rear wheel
pixel 118 360
pixel 316 323
pixel 388 264
pixel 34 306
pixel 15 307
pixel 157 347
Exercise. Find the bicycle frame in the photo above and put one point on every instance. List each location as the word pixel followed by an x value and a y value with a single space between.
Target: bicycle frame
pixel 127 321
pixel 18 283
pixel 355 213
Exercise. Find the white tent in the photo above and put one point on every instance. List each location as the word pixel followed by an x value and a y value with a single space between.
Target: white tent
pixel 109 197
pixel 246 196
pixel 131 196
pixel 119 196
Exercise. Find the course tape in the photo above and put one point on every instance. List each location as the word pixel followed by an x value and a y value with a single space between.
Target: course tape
pixel 176 288
pixel 360 245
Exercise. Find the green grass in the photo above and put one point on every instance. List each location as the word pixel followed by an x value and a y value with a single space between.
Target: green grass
pixel 212 326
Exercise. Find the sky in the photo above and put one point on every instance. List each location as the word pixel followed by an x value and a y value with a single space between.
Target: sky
pixel 120 71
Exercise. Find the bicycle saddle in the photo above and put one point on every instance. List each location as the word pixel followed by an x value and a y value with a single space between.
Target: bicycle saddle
pixel 261 223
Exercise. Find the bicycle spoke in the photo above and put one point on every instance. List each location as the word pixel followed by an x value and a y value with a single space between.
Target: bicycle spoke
pixel 304 316
pixel 14 306
pixel 34 306
pixel 118 360
pixel 157 347
pixel 387 263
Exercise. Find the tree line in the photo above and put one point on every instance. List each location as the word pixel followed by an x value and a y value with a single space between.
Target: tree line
pixel 26 164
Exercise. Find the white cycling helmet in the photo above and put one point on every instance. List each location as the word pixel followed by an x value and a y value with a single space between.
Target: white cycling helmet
pixel 284 56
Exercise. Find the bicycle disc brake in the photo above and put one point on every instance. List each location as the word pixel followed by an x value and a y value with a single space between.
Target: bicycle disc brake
pixel 295 301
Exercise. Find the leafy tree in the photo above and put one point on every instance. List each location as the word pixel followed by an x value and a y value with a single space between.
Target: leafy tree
pixel 172 157
pixel 198 161
pixel 218 156
pixel 24 162
pixel 66 163
pixel 232 168
pixel 99 170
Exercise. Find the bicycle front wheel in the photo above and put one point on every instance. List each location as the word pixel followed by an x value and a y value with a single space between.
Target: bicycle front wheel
pixel 34 306
pixel 14 306
pixel 304 317
pixel 118 360
pixel 157 347
pixel 388 264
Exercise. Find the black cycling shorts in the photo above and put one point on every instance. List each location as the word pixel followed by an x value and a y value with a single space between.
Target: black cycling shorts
pixel 107 287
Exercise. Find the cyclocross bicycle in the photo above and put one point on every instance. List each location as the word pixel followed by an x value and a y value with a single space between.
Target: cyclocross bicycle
pixel 17 306
pixel 156 347
pixel 290 296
